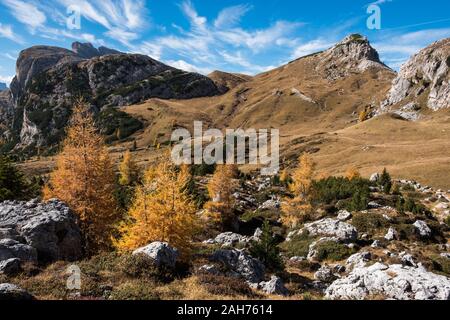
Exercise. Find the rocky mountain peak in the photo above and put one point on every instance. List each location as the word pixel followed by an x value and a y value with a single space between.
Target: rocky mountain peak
pixel 353 54
pixel 426 75
pixel 88 51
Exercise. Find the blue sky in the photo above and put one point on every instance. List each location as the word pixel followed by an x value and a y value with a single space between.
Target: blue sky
pixel 231 35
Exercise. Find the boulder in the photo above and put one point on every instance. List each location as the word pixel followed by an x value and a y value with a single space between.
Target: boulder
pixel 275 286
pixel 332 228
pixel 270 204
pixel 344 215
pixel 11 292
pixel 358 260
pixel 10 249
pixel 161 253
pixel 423 229
pixel 50 228
pixel 230 239
pixel 325 274
pixel 374 177
pixel 241 264
pixel 10 267
pixel 392 234
pixel 392 282
pixel 407 259
pixel 377 244
pixel 209 268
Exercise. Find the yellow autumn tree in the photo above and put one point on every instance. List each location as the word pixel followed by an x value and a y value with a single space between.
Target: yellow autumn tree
pixel 298 209
pixel 162 210
pixel 220 189
pixel 352 173
pixel 84 178
pixel 128 170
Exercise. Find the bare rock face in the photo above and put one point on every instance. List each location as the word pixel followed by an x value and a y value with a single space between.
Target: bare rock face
pixel 88 51
pixel 354 54
pixel 33 231
pixel 425 74
pixel 392 282
pixel 332 228
pixel 48 80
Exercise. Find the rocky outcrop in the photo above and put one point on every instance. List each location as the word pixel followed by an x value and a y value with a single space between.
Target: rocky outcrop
pixel 332 228
pixel 274 286
pixel 425 74
pixel 240 264
pixel 423 229
pixel 354 54
pixel 162 254
pixel 10 267
pixel 34 231
pixel 49 79
pixel 11 292
pixel 325 274
pixel 392 282
pixel 88 51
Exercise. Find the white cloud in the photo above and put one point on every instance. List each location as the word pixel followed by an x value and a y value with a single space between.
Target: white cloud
pixel 395 48
pixel 9 56
pixel 312 46
pixel 380 2
pixel 183 65
pixel 122 18
pixel 219 43
pixel 198 22
pixel 6 79
pixel 7 32
pixel 26 13
pixel 123 36
pixel 230 16
pixel 60 34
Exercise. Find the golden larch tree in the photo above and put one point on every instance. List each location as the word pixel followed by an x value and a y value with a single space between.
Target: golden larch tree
pixel 128 170
pixel 84 178
pixel 298 209
pixel 352 173
pixel 162 210
pixel 220 189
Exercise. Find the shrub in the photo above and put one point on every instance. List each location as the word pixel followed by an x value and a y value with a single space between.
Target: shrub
pixel 225 286
pixel 13 185
pixel 441 264
pixel 333 189
pixel 385 181
pixel 142 266
pixel 116 124
pixel 266 250
pixel 203 169
pixel 359 201
pixel 135 290
pixel 368 222
pixel 407 232
pixel 447 221
pixel 334 251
